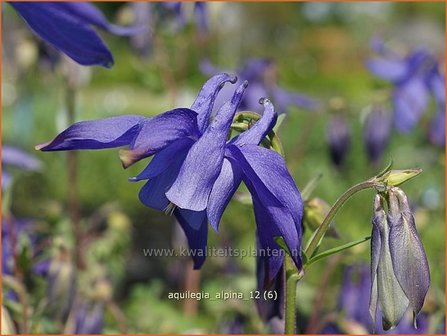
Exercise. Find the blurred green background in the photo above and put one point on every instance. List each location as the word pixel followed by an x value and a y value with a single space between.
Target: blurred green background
pixel 319 49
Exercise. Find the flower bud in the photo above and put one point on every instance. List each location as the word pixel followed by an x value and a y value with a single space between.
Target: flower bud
pixel 396 177
pixel 315 210
pixel 399 267
pixel 377 132
pixel 339 138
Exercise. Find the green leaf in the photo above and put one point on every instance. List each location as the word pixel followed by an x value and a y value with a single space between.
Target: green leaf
pixel 335 250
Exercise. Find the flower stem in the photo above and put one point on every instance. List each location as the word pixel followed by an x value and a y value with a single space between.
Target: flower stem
pixel 319 233
pixel 292 279
pixel 293 275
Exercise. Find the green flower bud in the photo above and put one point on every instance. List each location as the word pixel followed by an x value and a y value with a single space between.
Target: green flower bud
pixel 396 177
pixel 315 210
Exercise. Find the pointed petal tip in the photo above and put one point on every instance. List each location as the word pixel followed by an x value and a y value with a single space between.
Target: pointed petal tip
pixel 41 147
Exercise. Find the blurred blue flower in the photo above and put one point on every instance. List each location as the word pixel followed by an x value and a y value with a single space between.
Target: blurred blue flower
pixel 67 27
pixel 415 77
pixel 89 318
pixel 60 272
pixel 338 135
pixel 376 133
pixel 14 231
pixel 177 8
pixel 15 157
pixel 151 14
pixel 262 75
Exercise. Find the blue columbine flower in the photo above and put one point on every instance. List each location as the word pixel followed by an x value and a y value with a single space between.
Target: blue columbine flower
pixel 169 136
pixel 196 170
pixel 15 157
pixel 208 185
pixel 261 74
pixel 67 27
pixel 415 77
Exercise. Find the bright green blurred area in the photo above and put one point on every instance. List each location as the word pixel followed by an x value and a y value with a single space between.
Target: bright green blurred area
pixel 321 55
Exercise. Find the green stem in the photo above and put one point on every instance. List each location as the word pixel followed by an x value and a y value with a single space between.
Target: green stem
pixel 292 278
pixel 319 233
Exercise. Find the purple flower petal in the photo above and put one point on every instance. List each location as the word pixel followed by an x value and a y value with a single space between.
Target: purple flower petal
pixel 88 13
pixel 269 219
pixel 410 101
pixel 436 131
pixel 230 175
pixel 388 69
pixel 153 193
pixel 392 299
pixel 407 253
pixel 266 175
pixel 195 226
pixel 156 133
pixel 229 179
pixel 164 158
pixel 436 83
pixel 283 99
pixel 201 16
pixel 260 129
pixel 64 31
pixel 203 163
pixel 377 222
pixel 96 134
pixel 204 102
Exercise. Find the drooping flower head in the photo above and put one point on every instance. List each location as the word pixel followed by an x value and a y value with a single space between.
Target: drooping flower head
pixel 352 308
pixel 399 267
pixel 67 27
